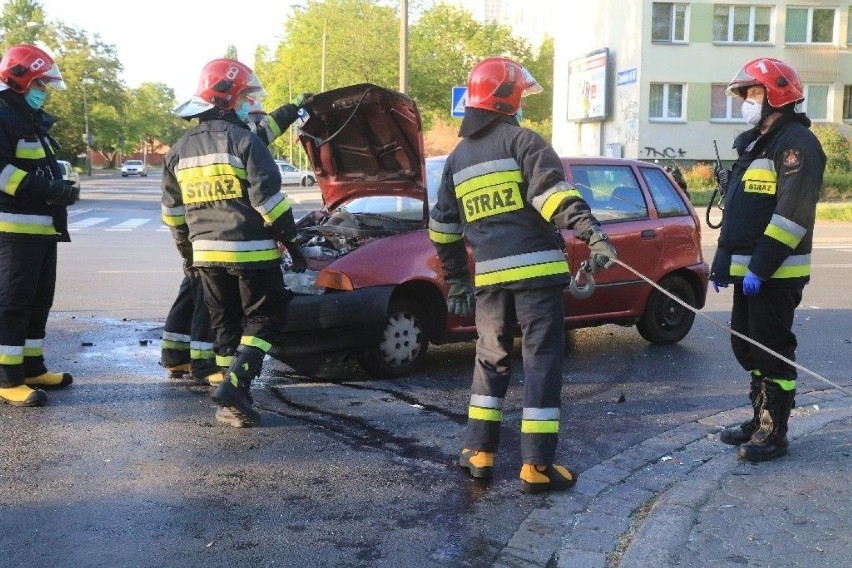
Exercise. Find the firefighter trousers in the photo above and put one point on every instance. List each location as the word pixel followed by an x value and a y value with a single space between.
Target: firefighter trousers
pixel 767 318
pixel 188 335
pixel 244 303
pixel 27 285
pixel 540 314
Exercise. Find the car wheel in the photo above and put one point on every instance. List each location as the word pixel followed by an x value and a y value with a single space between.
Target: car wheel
pixel 665 321
pixel 404 342
pixel 308 181
pixel 144 175
pixel 124 175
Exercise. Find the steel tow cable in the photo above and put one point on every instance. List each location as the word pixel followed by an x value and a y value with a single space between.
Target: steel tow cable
pixel 731 331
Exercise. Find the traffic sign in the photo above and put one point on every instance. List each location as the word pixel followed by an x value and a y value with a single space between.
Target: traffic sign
pixel 459 98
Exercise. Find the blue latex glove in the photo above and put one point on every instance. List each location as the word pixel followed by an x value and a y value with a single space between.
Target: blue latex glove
pixel 751 284
pixel 717 285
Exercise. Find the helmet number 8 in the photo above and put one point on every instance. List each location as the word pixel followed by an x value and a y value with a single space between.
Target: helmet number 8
pixel 233 71
pixel 37 64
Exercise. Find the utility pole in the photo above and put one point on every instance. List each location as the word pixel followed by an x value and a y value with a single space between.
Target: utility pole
pixel 87 138
pixel 403 47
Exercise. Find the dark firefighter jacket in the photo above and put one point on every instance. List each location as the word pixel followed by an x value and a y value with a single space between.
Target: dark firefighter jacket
pixel 27 164
pixel 503 189
pixel 222 192
pixel 770 204
pixel 273 125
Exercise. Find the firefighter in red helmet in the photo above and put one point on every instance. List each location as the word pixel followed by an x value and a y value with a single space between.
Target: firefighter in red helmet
pixel 765 244
pixel 33 218
pixel 504 190
pixel 188 341
pixel 222 199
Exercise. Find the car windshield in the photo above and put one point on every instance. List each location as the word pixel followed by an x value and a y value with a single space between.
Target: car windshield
pixel 402 208
pixel 134 162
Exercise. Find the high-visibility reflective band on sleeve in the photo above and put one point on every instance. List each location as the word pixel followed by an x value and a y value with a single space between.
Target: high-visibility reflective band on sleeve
pixel 26 224
pixel 548 202
pixel 272 127
pixel 174 216
pixel 11 354
pixel 785 231
pixel 30 150
pixel 10 179
pixel 444 233
pixel 274 207
pixel 252 341
pixel 33 347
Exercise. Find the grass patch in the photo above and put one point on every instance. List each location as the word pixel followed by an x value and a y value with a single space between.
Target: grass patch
pixel 838 211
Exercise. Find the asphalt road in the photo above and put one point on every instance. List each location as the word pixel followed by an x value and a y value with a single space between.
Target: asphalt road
pixel 126 468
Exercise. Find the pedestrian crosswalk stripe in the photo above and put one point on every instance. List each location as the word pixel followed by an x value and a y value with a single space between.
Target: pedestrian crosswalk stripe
pixel 88 222
pixel 128 225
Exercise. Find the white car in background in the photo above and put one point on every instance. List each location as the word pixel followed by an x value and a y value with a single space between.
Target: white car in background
pixel 69 173
pixel 134 168
pixel 291 175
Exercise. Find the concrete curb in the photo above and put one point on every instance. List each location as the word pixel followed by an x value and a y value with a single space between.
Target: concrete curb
pixel 640 504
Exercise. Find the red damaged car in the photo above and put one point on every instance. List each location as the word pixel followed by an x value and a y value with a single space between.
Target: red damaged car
pixel 374 289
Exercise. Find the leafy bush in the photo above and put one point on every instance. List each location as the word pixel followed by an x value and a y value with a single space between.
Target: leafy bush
pixel 700 176
pixel 836 148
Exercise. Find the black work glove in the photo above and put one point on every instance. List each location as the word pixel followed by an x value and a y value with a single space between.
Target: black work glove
pixel 601 252
pixel 460 299
pixel 185 250
pixel 300 99
pixel 62 192
pixel 722 177
pixel 298 261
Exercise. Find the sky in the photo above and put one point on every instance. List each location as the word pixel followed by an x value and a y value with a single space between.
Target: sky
pixel 169 41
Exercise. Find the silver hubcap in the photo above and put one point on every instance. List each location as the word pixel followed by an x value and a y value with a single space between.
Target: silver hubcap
pixel 401 343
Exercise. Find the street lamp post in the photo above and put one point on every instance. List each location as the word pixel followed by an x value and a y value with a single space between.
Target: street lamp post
pixel 403 47
pixel 87 138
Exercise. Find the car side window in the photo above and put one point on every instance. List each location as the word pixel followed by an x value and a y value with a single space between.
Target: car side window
pixel 612 192
pixel 667 199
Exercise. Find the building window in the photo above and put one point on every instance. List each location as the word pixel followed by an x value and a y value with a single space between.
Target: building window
pixel 741 24
pixel 847 102
pixel 723 107
pixel 810 25
pixel 668 22
pixel 666 101
pixel 815 104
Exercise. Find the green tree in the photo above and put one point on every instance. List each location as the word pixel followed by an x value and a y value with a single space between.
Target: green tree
pixel 836 148
pixel 152 121
pixel 20 22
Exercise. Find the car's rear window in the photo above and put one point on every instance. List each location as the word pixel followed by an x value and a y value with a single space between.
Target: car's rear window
pixel 611 191
pixel 666 198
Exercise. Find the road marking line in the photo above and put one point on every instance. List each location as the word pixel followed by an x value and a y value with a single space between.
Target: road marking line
pixel 84 223
pixel 128 225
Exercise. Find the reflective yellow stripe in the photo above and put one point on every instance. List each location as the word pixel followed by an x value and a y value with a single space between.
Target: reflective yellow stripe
pixel 174 220
pixel 10 178
pixel 27 229
pixel 785 384
pixel 33 351
pixel 792 271
pixel 487 414
pixel 782 236
pixel 521 273
pixel 224 360
pixel 444 238
pixel 277 211
pixel 30 153
pixel 11 359
pixel 201 353
pixel 554 200
pixel 235 256
pixel 492 200
pixel 252 341
pixel 760 179
pixel 539 426
pixel 488 180
pixel 209 171
pixel 795 266
pixel 274 128
pixel 169 344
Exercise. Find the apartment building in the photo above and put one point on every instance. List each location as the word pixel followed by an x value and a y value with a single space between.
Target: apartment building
pixel 646 79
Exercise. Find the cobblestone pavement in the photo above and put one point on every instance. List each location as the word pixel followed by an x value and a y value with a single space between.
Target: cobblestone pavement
pixel 683 499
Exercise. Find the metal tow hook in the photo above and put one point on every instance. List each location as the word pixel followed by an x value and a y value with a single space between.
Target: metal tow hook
pixel 584 291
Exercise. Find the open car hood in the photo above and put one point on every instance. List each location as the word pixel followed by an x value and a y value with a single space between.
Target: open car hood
pixel 364 140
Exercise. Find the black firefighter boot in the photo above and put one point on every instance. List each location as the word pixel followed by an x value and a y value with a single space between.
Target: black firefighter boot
pixel 740 434
pixel 770 439
pixel 234 392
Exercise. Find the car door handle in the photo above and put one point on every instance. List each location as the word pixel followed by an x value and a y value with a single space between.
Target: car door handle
pixel 648 234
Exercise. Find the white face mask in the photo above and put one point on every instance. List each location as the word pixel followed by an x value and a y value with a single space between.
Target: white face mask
pixel 751 111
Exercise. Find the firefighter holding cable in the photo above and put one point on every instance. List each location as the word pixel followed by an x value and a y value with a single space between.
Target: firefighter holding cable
pixel 504 190
pixel 764 247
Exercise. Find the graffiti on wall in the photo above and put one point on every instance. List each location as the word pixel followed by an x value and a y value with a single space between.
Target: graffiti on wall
pixel 627 122
pixel 667 152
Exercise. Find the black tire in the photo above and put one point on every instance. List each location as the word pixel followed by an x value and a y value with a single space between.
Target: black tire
pixel 664 321
pixel 308 181
pixel 404 344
